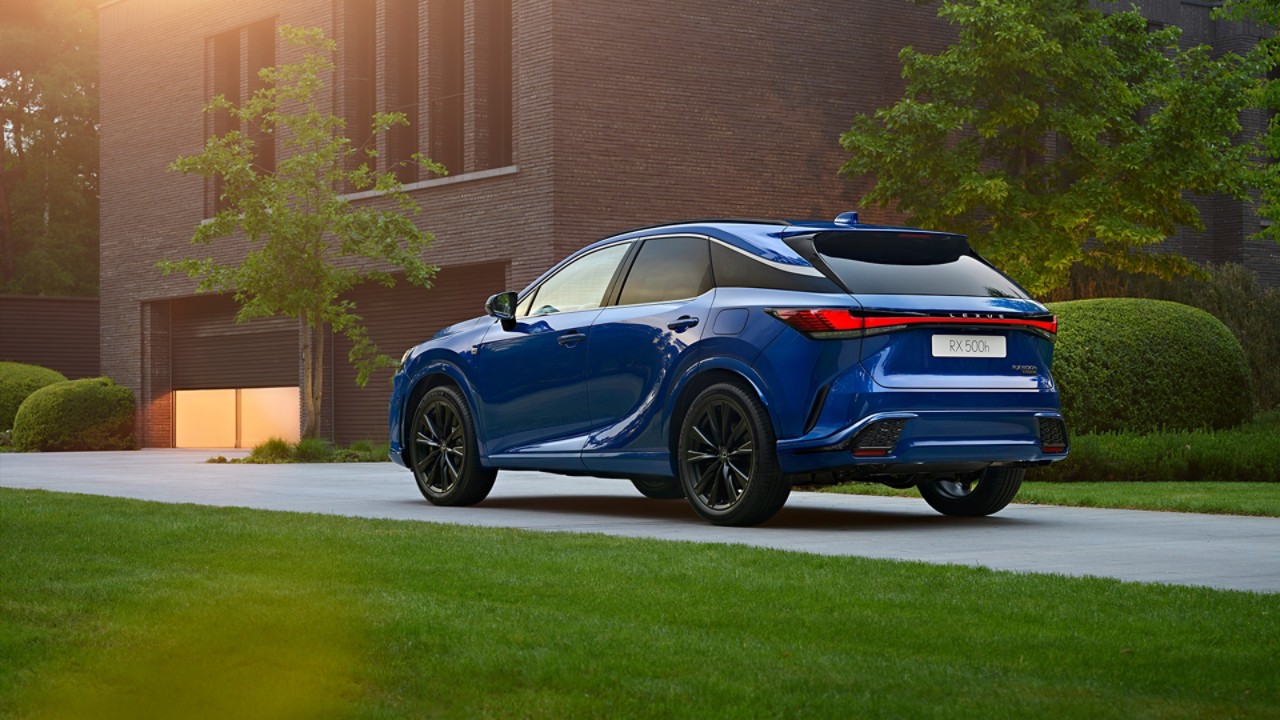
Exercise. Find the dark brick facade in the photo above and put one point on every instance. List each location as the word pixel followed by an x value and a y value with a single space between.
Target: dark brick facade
pixel 622 114
pixel 53 332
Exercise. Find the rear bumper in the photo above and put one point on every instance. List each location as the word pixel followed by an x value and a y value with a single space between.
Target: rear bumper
pixel 931 438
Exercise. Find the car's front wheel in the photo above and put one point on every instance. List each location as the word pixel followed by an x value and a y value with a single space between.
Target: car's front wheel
pixel 728 458
pixel 974 494
pixel 443 451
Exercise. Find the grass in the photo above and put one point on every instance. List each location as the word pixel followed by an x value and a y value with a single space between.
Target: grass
pixel 1249 453
pixel 1223 498
pixel 275 451
pixel 119 608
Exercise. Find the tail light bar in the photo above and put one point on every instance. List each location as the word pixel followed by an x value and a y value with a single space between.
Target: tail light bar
pixel 841 323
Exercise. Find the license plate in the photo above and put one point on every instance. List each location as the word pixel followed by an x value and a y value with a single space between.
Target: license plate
pixel 984 346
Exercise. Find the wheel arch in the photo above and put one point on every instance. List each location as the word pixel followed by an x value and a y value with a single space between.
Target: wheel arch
pixel 434 374
pixel 700 378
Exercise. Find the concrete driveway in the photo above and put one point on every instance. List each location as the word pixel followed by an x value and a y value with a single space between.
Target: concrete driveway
pixel 1239 553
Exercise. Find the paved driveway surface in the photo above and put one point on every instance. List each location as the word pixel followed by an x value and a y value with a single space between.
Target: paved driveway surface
pixel 1241 553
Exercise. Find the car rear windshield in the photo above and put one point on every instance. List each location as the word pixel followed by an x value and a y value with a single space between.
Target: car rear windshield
pixel 904 263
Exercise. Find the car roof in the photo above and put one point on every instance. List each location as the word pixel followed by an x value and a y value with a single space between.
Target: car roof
pixel 764 238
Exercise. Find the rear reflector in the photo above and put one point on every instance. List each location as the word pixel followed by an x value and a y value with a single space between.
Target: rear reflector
pixel 835 323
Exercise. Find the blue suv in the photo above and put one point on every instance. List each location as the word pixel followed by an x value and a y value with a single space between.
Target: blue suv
pixel 726 361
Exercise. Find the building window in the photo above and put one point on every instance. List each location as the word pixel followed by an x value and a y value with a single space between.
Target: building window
pixel 235 76
pixel 226 82
pixel 261 54
pixel 402 86
pixel 446 78
pixel 360 65
pixel 493 40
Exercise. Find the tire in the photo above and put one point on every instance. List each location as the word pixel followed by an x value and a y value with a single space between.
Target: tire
pixel 658 487
pixel 728 458
pixel 443 452
pixel 973 495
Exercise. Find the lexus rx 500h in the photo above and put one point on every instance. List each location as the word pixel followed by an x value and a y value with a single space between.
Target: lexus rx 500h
pixel 726 361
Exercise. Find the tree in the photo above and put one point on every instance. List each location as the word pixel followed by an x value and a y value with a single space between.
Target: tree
pixel 1265 60
pixel 49 147
pixel 1052 134
pixel 305 244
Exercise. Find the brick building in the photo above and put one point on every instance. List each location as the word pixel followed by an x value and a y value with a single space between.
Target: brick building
pixel 560 121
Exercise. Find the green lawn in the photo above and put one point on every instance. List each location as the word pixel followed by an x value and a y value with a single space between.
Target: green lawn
pixel 124 609
pixel 1225 498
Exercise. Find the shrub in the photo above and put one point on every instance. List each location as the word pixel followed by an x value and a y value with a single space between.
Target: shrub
pixel 1139 365
pixel 17 382
pixel 1250 453
pixel 274 450
pixel 1229 292
pixel 88 414
pixel 312 450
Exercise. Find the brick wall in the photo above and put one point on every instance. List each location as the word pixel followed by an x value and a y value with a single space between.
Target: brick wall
pixel 53 332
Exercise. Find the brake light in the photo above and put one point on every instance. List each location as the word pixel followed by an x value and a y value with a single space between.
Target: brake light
pixel 822 323
pixel 835 323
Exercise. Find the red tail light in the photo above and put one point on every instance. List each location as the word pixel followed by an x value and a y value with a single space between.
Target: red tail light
pixel 835 323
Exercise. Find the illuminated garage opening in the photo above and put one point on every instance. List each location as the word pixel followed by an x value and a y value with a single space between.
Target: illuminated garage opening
pixel 235 418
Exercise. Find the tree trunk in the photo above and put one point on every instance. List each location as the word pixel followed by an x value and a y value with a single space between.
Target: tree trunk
pixel 311 418
pixel 313 343
pixel 6 218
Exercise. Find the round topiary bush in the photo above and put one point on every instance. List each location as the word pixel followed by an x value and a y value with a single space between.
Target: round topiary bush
pixel 1140 365
pixel 17 381
pixel 89 414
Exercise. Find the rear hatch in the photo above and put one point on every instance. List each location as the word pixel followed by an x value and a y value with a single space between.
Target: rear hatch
pixel 935 315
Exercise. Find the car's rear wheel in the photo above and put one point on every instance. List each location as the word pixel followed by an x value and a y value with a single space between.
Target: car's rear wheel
pixel 443 451
pixel 728 458
pixel 657 487
pixel 973 494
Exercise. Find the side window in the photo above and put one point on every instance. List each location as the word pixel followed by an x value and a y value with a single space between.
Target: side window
pixel 736 269
pixel 673 268
pixel 580 285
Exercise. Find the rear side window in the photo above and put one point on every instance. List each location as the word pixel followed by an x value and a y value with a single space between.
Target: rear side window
pixel 737 269
pixel 674 268
pixel 897 263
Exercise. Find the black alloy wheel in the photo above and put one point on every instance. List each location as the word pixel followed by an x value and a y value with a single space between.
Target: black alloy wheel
pixel 443 452
pixel 728 458
pixel 973 494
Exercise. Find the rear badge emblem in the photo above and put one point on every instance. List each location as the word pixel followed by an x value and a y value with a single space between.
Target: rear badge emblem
pixel 1027 369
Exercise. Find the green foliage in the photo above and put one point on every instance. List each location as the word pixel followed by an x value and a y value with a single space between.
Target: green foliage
pixel 312 450
pixel 1228 292
pixel 49 147
pixel 1051 134
pixel 17 382
pixel 88 414
pixel 273 450
pixel 1137 365
pixel 1265 97
pixel 1250 453
pixel 307 245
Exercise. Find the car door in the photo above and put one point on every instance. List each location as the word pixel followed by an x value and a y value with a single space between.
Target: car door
pixel 532 379
pixel 639 346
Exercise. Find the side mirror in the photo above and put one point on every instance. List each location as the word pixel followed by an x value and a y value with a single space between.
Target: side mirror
pixel 503 307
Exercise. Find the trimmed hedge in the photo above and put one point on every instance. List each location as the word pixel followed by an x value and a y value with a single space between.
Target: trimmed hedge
pixel 1250 453
pixel 17 382
pixel 1138 366
pixel 1228 292
pixel 88 414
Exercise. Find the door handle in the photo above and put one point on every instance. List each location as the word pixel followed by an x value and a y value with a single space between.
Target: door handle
pixel 571 338
pixel 684 322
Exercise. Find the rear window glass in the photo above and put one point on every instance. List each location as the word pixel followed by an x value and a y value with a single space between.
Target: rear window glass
pixel 895 263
